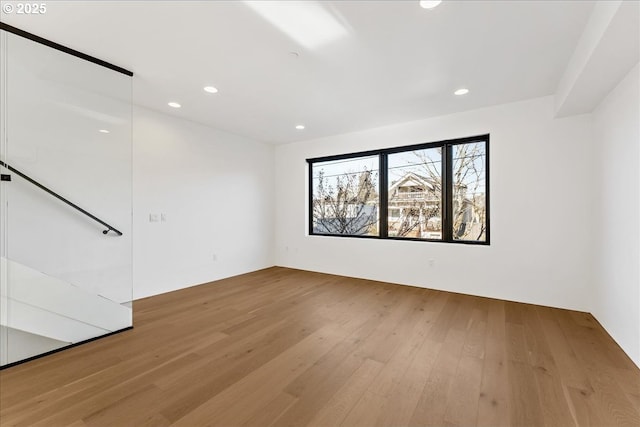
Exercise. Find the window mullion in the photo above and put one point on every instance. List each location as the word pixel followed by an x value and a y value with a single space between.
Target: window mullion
pixel 383 226
pixel 447 193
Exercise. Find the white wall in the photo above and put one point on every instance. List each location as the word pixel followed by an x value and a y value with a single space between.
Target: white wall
pixel 216 190
pixel 616 302
pixel 541 210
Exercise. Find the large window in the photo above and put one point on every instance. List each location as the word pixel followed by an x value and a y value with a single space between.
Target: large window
pixel 346 197
pixel 437 192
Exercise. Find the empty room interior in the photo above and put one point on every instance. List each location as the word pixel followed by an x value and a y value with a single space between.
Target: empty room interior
pixel 320 213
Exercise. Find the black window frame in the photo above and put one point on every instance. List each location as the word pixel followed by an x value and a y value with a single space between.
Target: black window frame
pixel 447 190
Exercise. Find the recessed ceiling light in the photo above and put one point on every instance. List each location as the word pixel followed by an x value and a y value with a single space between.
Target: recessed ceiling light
pixel 210 89
pixel 174 105
pixel 461 91
pixel 103 131
pixel 300 127
pixel 429 4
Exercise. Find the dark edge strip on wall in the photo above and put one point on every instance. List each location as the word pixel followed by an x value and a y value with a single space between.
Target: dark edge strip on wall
pixel 67 347
pixel 64 49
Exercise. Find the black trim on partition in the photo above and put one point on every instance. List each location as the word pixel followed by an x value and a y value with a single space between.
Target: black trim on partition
pixel 68 50
pixel 446 176
pixel 59 197
pixel 66 347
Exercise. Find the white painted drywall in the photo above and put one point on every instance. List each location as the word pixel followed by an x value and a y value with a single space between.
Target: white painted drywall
pixel 541 210
pixel 216 192
pixel 616 299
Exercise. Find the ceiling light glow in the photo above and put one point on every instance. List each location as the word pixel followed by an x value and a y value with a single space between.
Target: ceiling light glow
pixel 308 23
pixel 461 91
pixel 429 4
pixel 210 89
pixel 103 131
pixel 300 127
pixel 174 105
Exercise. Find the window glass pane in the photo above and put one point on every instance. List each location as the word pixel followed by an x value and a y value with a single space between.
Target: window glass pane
pixel 415 194
pixel 345 196
pixel 469 191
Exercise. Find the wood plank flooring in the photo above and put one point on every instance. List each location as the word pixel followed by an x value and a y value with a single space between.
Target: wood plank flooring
pixel 282 347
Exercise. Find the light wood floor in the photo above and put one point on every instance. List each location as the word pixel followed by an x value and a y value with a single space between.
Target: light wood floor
pixel 284 347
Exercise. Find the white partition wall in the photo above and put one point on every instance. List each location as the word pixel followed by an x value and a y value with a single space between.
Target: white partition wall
pixel 65 197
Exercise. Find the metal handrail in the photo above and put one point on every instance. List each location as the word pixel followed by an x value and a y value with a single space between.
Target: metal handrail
pixel 59 197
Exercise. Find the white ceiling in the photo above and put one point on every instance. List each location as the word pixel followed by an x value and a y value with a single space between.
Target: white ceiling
pixel 389 62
